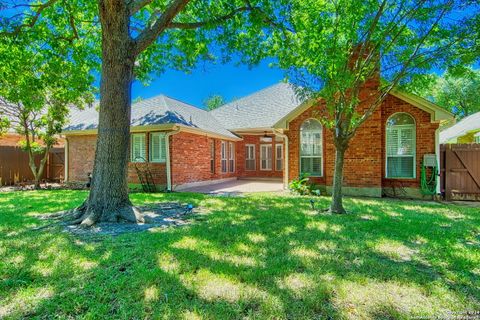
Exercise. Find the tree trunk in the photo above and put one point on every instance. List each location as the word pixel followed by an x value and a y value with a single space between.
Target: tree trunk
pixel 337 196
pixel 108 199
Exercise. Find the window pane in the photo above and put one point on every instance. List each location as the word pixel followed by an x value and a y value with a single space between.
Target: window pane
pixel 311 165
pixel 400 167
pixel 138 152
pixel 400 119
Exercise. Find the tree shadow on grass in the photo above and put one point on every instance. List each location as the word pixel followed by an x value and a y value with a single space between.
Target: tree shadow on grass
pixel 258 257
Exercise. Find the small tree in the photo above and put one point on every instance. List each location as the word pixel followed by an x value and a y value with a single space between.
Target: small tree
pixel 337 46
pixel 213 102
pixel 36 91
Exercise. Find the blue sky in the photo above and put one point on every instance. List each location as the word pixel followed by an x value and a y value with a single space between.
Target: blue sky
pixel 228 80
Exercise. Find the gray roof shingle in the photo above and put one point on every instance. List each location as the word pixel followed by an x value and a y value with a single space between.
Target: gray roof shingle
pixel 261 109
pixel 154 111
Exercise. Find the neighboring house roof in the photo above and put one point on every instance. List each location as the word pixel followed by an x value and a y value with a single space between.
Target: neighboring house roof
pixel 261 109
pixel 465 126
pixel 159 110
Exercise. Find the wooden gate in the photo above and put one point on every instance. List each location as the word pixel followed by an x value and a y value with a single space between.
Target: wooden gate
pixel 460 171
pixel 14 166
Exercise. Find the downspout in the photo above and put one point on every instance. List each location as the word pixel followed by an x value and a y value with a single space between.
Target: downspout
pixel 66 159
pixel 276 132
pixel 437 153
pixel 167 153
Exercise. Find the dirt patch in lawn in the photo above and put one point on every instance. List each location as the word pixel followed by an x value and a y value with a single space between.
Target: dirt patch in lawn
pixel 159 216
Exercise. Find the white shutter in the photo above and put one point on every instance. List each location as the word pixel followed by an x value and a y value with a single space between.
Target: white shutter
pixel 138 150
pixel 266 157
pixel 157 147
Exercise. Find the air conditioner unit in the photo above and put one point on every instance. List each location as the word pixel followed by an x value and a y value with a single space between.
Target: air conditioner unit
pixel 430 160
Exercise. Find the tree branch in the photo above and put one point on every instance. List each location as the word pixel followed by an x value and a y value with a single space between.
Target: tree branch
pixel 149 35
pixel 36 16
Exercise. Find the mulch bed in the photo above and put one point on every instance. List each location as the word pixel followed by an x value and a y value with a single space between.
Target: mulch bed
pixel 159 216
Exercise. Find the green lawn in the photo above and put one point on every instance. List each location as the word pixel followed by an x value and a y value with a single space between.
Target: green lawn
pixel 258 257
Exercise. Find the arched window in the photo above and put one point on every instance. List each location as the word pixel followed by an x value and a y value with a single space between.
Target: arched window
pixel 400 146
pixel 311 147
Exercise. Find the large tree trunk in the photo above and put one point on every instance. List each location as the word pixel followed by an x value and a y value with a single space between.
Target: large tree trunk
pixel 108 200
pixel 337 196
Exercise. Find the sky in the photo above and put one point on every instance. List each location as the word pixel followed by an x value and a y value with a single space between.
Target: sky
pixel 228 80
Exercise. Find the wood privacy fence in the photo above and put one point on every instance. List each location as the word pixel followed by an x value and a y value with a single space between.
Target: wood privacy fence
pixel 460 171
pixel 14 165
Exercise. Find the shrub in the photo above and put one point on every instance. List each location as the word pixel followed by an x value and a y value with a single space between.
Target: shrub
pixel 303 186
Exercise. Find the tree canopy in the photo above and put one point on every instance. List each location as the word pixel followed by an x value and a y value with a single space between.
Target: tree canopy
pixel 332 48
pixel 213 101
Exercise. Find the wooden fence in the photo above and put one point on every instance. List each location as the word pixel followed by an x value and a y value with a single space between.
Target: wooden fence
pixel 14 167
pixel 460 171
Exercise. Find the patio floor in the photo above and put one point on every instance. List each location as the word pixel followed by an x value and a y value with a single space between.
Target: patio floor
pixel 240 186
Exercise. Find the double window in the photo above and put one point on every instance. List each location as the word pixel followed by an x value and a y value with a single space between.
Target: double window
pixel 250 157
pixel 265 157
pixel 157 147
pixel 227 153
pixel 311 147
pixel 401 144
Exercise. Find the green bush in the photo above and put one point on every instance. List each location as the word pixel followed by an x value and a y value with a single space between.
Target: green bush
pixel 303 186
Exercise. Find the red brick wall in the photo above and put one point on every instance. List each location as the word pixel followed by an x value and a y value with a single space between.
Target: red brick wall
pixel 425 137
pixel 255 140
pixel 365 158
pixel 190 154
pixel 81 157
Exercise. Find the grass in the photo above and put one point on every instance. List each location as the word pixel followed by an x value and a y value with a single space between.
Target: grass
pixel 258 257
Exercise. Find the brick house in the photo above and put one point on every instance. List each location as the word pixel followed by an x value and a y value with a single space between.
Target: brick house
pixel 268 134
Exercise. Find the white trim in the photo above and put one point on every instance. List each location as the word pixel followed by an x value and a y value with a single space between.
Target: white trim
pixel 248 145
pixel 266 145
pixel 415 147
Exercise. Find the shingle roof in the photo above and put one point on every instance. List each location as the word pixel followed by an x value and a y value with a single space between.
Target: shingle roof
pixel 154 111
pixel 261 109
pixel 464 126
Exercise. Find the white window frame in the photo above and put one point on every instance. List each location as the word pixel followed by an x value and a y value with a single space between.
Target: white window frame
pixel 132 145
pixel 250 156
pixel 312 156
pixel 278 158
pixel 162 146
pixel 223 157
pixel 231 157
pixel 267 160
pixel 400 127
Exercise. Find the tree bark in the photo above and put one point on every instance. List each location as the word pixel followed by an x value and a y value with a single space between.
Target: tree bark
pixel 337 196
pixel 108 199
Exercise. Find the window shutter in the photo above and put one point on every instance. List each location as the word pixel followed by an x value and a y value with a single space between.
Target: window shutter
pixel 157 147
pixel 138 147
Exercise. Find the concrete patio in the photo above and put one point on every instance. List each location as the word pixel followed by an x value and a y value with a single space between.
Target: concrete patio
pixel 240 186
